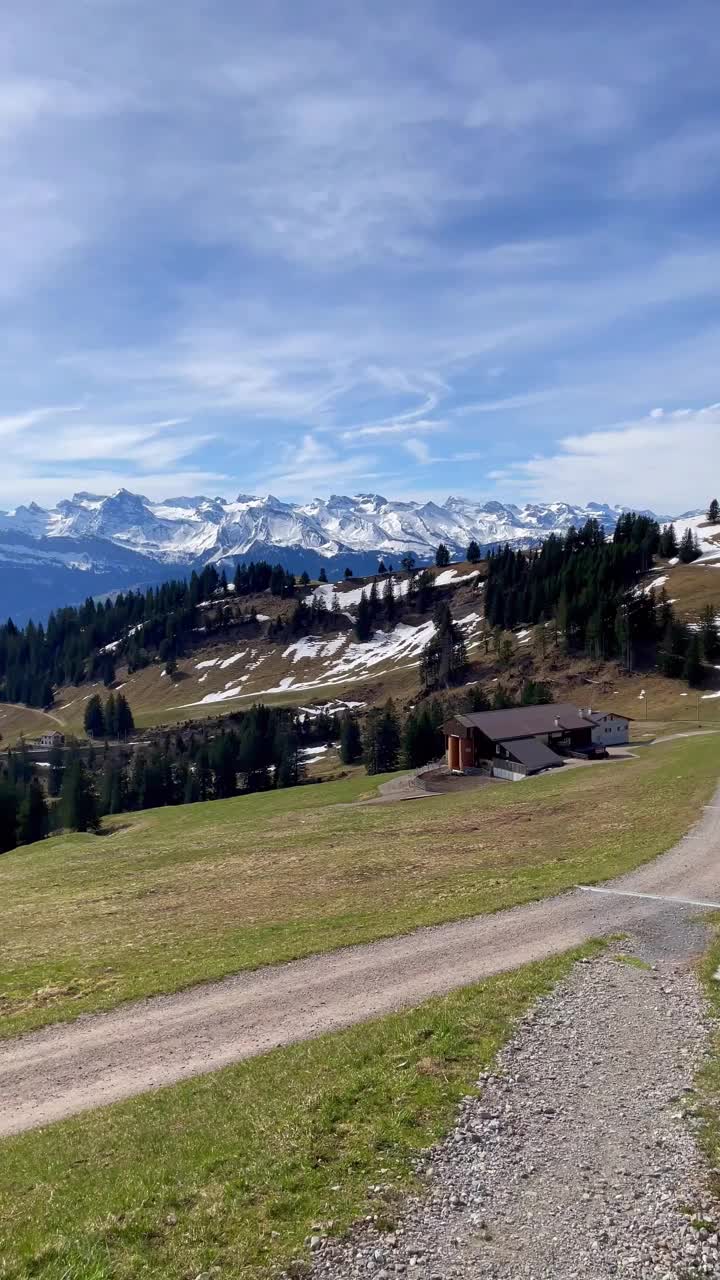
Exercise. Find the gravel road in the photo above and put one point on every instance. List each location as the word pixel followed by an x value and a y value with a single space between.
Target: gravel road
pixel 578 1160
pixel 72 1067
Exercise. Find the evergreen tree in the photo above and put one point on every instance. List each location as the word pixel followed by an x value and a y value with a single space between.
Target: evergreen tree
pixel 710 638
pixel 442 556
pixel 421 742
pixel 382 740
pixel 505 649
pixel 477 699
pixel 94 718
pixel 444 660
pixel 32 814
pixel 78 804
pixel 668 546
pixel 473 552
pixel 350 740
pixel 689 549
pixel 535 693
pixel 388 599
pixel 55 772
pixel 125 723
pixel 408 562
pixel 693 668
pixel 364 620
pixel 348 573
pixel 322 576
pixel 381 568
pixel 8 815
pixel 110 716
pixel 305 578
pixel 713 514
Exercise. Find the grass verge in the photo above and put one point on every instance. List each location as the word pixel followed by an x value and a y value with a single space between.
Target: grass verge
pixel 234 1169
pixel 172 897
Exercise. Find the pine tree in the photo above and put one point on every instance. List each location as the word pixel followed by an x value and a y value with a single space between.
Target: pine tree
pixel 32 815
pixel 125 722
pixel 8 815
pixel 693 668
pixel 442 556
pixel 713 514
pixel 305 578
pixel 350 740
pixel 710 637
pixel 689 549
pixel 322 576
pixel 364 620
pixel 78 804
pixel 381 568
pixel 110 716
pixel 382 740
pixel 444 660
pixel 473 552
pixel 348 573
pixel 94 718
pixel 389 602
pixel 55 772
pixel 668 545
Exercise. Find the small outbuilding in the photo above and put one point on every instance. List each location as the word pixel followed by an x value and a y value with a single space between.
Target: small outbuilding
pixel 50 740
pixel 610 729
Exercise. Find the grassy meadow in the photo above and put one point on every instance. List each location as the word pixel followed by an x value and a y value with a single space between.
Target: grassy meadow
pixel 171 897
pixel 234 1170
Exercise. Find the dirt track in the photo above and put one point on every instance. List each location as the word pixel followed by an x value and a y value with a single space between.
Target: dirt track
pixel 97 1060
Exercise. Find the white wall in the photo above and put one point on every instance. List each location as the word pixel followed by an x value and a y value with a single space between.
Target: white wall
pixel 612 732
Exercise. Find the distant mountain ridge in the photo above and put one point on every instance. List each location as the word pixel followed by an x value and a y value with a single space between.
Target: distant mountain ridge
pixel 94 543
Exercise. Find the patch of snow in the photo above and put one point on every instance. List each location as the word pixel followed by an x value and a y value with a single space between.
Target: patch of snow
pixel 314 647
pixel 448 576
pixel 228 662
pixel 314 751
pixel 208 662
pixel 707 696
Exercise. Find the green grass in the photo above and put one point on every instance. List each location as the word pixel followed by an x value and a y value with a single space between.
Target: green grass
pixel 635 962
pixel 234 1169
pixel 175 896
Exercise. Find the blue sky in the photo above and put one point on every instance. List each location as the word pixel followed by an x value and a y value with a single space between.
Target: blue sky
pixel 412 248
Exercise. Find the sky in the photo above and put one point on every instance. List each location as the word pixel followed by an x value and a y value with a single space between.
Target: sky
pixel 412 249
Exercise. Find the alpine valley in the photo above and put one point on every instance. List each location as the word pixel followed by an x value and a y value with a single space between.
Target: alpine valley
pixel 92 544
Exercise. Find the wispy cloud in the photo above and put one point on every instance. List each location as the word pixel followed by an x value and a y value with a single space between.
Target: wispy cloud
pixel 274 245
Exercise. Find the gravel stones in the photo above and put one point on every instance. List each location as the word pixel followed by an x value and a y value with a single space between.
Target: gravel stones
pixel 578 1161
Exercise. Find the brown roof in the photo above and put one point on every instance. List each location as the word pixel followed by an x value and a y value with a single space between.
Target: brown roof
pixel 525 722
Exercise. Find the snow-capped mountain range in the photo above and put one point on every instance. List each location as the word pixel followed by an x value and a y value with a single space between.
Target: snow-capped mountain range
pixel 90 543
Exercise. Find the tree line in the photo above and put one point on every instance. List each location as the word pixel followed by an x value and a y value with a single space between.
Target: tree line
pixel 589 586
pixel 84 642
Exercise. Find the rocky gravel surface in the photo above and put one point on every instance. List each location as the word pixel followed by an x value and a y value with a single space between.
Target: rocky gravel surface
pixel 578 1159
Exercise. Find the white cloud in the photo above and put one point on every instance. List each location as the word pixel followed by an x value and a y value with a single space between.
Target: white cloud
pixel 419 450
pixel 667 463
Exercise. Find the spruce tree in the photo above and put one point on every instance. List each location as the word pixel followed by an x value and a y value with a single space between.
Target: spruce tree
pixel 33 814
pixel 94 717
pixel 55 772
pixel 364 620
pixel 350 740
pixel 381 745
pixel 8 815
pixel 473 552
pixel 322 576
pixel 710 637
pixel 442 556
pixel 693 668
pixel 444 659
pixel 388 599
pixel 713 514
pixel 78 804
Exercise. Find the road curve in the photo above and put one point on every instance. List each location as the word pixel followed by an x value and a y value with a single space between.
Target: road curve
pixel 100 1059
